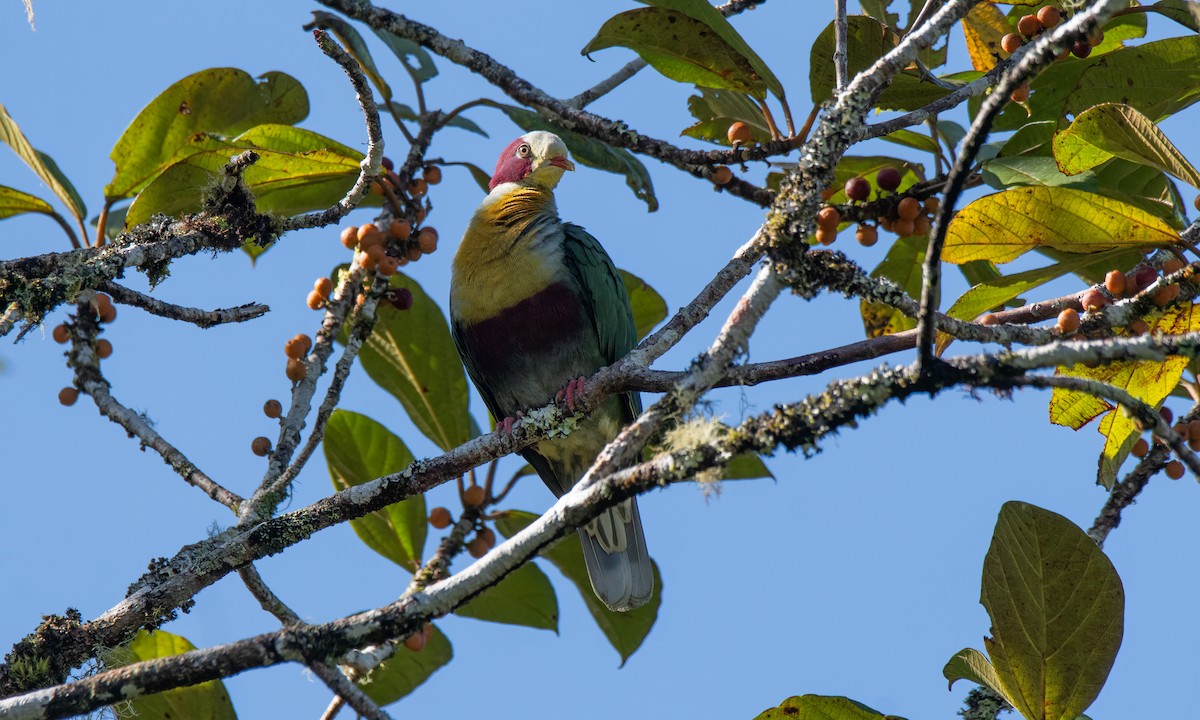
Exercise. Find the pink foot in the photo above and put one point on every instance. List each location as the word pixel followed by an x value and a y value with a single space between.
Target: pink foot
pixel 506 425
pixel 572 393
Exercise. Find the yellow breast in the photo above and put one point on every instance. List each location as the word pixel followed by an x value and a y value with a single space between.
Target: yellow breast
pixel 503 259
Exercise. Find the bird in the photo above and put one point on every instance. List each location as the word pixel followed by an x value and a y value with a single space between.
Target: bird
pixel 536 304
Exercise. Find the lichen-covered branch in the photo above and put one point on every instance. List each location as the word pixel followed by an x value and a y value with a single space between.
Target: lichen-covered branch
pixel 171 311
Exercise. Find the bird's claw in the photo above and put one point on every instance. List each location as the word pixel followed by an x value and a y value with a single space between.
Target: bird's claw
pixel 506 425
pixel 572 393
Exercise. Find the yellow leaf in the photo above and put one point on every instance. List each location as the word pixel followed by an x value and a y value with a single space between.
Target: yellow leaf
pixel 1003 226
pixel 983 27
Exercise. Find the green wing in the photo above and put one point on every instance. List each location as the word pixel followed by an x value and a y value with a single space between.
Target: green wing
pixel 606 301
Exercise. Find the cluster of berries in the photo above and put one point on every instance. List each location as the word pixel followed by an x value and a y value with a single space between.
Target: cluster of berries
pixel 1119 285
pixel 273 409
pixel 415 189
pixel 907 216
pixel 473 496
pixel 1189 432
pixel 102 305
pixel 1030 26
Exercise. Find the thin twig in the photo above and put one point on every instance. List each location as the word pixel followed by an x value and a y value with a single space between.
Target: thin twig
pixel 839 46
pixel 88 378
pixel 371 164
pixel 196 316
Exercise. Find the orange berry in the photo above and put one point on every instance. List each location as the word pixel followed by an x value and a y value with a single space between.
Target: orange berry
pixel 420 215
pixel 439 518
pixel 1049 16
pixel 108 313
pixel 922 225
pixel 886 223
pixel 376 187
pixel 1093 300
pixel 388 266
pixel 1020 94
pixel 829 218
pixel 739 132
pixel 100 301
pixel 1140 278
pixel 350 237
pixel 932 204
pixel 260 446
pixel 413 254
pixel 830 192
pixel 904 228
pixel 1193 430
pixel 415 642
pixel 1166 295
pixel 371 240
pixel 103 349
pixel 1165 413
pixel 272 409
pixel 387 163
pixel 473 496
pixel 68 395
pixel 1174 470
pixel 721 175
pixel 825 236
pixel 1139 327
pixel 477 548
pixel 296 370
pixel 298 346
pixel 866 235
pixel 1011 42
pixel 1141 448
pixel 1114 282
pixel 1173 265
pixel 488 537
pixel 400 229
pixel 417 187
pixel 1068 321
pixel 1096 39
pixel 366 229
pixel 1029 25
pixel 989 320
pixel 1196 202
pixel 61 333
pixel 427 240
pixel 908 209
pixel 324 286
pixel 432 174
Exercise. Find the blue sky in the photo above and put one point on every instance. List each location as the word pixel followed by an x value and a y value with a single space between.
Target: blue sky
pixel 855 573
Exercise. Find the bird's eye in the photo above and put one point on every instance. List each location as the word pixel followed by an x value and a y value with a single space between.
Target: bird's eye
pixel 523 151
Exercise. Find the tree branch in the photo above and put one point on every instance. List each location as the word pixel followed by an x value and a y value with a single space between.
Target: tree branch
pixel 171 311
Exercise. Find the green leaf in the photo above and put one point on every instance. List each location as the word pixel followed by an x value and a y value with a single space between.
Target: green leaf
pixel 748 466
pixel 1114 130
pixel 649 308
pixel 357 450
pixel 14 202
pixel 221 101
pixel 1026 170
pixel 716 110
pixel 523 597
pixel 914 140
pixel 355 45
pixel 297 171
pixel 625 630
pixel 1003 226
pixel 1057 610
pixel 704 12
pixel 866 42
pixel 204 701
pixel 404 672
pixel 42 164
pixel 902 265
pixel 411 355
pixel 1143 187
pixel 970 664
pixel 1157 78
pixel 681 48
pixel 821 707
pixel 405 49
pixel 589 152
pixel 1184 12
